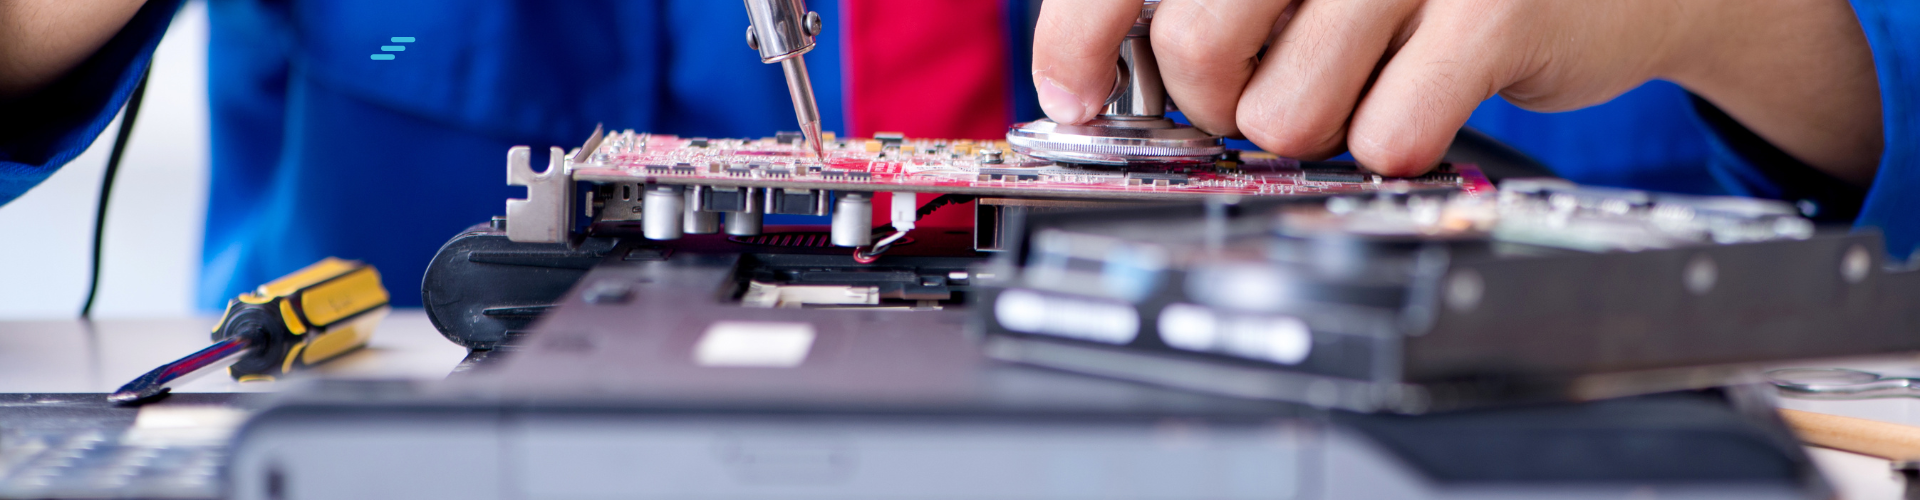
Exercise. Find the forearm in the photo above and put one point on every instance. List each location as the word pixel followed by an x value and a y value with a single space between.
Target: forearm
pixel 40 40
pixel 1798 73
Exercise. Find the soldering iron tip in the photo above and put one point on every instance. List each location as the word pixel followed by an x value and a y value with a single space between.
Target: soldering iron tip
pixel 812 131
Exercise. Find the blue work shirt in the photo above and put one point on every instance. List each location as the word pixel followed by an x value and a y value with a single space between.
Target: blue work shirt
pixel 319 150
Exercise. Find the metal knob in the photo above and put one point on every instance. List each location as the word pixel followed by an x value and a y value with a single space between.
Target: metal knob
pixel 1133 128
pixel 1138 91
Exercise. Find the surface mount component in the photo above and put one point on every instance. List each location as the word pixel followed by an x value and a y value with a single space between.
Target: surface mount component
pixel 1133 128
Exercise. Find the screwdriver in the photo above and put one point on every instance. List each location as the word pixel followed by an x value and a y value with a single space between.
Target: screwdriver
pixel 302 319
pixel 782 33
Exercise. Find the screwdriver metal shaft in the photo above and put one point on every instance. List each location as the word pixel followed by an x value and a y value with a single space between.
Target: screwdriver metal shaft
pixel 170 375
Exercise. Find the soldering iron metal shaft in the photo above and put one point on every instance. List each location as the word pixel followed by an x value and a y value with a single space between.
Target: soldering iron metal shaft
pixel 782 30
pixel 803 105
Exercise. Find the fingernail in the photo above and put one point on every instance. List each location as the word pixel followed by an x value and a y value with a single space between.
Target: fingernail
pixel 1061 105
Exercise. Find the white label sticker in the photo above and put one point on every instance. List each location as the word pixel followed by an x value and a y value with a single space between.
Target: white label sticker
pixel 754 344
pixel 1107 322
pixel 1280 339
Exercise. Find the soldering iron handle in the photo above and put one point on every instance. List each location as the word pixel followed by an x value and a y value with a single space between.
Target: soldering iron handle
pixel 780 29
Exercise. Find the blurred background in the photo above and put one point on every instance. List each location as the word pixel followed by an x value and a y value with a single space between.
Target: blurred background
pixel 156 224
pixel 155 220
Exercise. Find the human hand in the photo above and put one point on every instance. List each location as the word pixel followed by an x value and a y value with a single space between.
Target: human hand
pixel 41 40
pixel 1393 80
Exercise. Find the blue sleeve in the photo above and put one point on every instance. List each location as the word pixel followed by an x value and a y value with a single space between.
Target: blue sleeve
pixel 1893 206
pixel 49 128
pixel 1748 166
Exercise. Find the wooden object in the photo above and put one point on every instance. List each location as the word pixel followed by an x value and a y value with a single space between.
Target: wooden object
pixel 1858 435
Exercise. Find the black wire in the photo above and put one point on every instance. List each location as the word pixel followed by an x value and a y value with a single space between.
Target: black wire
pixel 920 213
pixel 106 185
pixel 941 201
pixel 925 210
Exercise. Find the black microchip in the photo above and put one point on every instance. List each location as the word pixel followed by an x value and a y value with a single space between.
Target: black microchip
pixel 1333 172
pixel 1322 176
pixel 698 142
pixel 792 201
pixel 725 200
pixel 683 169
pixel 778 171
pixel 1010 174
pixel 656 169
pixel 833 175
pixel 789 137
pixel 859 176
pixel 890 140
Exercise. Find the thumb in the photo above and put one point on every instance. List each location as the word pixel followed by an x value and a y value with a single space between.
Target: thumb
pixel 1076 47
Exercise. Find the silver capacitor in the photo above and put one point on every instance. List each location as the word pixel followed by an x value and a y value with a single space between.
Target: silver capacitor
pixel 660 211
pixel 747 221
pixel 697 220
pixel 853 219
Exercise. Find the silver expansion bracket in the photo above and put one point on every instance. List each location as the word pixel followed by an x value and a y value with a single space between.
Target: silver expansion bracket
pixel 546 215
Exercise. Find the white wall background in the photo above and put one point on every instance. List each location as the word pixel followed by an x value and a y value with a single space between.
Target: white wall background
pixel 156 217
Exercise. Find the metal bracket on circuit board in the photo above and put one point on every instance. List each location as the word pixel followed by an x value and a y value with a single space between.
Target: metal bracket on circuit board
pixel 546 214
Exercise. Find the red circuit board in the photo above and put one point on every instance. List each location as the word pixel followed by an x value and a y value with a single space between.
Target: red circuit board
pixel 894 163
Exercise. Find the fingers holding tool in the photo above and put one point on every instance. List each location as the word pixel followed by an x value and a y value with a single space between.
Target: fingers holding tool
pixel 1076 47
pixel 1318 67
pixel 1208 50
pixel 1391 81
pixel 1450 62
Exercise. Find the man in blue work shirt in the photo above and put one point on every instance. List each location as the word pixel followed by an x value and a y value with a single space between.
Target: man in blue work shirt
pixel 319 150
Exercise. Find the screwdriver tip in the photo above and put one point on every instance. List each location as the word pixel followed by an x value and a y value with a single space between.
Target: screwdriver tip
pixel 133 397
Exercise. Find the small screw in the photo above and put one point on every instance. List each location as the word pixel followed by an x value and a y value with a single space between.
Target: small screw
pixel 813 24
pixel 607 292
pixel 1464 289
pixel 753 42
pixel 1700 275
pixel 1855 264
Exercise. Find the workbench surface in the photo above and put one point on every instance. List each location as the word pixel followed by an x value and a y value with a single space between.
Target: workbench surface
pixel 74 357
